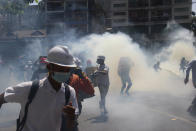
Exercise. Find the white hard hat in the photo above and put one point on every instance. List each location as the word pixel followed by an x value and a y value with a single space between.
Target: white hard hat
pixel 59 55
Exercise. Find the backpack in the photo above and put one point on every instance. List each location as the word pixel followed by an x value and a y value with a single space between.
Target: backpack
pixel 31 96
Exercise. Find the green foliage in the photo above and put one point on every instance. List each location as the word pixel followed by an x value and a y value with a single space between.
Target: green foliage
pixel 13 6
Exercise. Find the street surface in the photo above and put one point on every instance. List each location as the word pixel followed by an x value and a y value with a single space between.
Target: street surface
pixel 143 110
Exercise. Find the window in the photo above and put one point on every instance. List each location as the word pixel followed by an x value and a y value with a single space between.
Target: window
pixel 160 2
pixel 55 6
pixel 181 1
pixel 119 13
pixel 55 17
pixel 181 17
pixel 119 5
pixel 72 6
pixel 161 15
pixel 76 17
pixel 138 15
pixel 185 9
pixel 119 20
pixel 138 3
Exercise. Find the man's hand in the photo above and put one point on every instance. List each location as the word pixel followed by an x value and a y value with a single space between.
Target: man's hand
pixel 186 81
pixel 69 111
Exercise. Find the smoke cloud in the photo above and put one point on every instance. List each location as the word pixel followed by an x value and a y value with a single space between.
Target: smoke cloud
pixel 114 46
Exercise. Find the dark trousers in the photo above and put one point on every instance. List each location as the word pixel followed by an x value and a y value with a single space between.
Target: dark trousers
pixel 126 80
pixel 80 106
pixel 64 124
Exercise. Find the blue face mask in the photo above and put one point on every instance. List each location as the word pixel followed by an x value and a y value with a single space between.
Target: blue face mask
pixel 61 77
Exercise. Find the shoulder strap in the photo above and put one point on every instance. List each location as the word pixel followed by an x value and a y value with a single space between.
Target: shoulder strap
pixel 32 93
pixel 67 95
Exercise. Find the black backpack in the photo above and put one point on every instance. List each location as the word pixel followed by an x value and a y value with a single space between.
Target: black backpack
pixel 31 96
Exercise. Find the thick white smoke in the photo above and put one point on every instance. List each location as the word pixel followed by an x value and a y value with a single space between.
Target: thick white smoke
pixel 165 90
pixel 181 45
pixel 114 46
pixel 144 78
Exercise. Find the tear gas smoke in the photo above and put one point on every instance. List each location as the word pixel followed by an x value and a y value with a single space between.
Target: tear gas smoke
pixel 144 78
pixel 12 73
pixel 114 46
pixel 181 45
pixel 165 91
pixel 36 48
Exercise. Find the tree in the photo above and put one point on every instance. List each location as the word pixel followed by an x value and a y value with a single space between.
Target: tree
pixel 9 10
pixel 14 6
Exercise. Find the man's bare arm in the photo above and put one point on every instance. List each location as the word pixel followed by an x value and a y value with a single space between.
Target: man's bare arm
pixel 2 100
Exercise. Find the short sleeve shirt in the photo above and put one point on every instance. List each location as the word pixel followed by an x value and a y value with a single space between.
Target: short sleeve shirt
pixel 45 111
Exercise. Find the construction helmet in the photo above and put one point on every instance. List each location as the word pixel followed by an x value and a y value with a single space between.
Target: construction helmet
pixel 59 55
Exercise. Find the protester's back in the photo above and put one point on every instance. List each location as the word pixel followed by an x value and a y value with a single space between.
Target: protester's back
pixel 124 66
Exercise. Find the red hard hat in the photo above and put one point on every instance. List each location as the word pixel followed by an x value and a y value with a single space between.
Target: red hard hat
pixel 43 60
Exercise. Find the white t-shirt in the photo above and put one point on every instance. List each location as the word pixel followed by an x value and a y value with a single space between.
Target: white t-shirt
pixel 45 111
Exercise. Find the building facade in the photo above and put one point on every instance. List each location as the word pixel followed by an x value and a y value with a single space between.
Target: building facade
pixel 62 15
pixel 149 16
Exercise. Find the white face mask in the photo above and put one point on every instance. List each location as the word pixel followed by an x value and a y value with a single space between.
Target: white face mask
pixel 61 77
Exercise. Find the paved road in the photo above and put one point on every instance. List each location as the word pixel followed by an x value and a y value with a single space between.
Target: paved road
pixel 143 111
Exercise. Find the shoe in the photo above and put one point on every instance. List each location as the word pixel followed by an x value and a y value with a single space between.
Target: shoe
pixel 122 91
pixel 127 93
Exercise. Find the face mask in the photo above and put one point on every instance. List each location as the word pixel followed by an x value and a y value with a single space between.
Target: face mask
pixel 61 77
